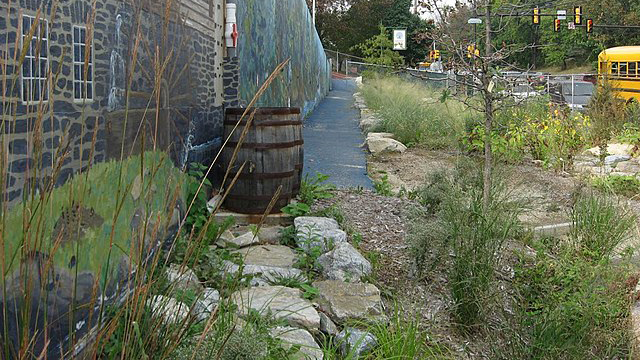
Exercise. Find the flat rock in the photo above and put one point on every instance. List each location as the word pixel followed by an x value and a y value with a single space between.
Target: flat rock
pixel 613 149
pixel 266 263
pixel 344 301
pixel 318 232
pixel 356 343
pixel 343 263
pixel 171 310
pixel 289 336
pixel 628 167
pixel 244 240
pixel 327 326
pixel 183 278
pixel 268 255
pixel 270 235
pixel 369 122
pixel 614 159
pixel 382 145
pixel 206 304
pixel 281 302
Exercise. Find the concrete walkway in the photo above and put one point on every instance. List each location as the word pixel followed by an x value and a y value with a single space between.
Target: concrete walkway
pixel 332 139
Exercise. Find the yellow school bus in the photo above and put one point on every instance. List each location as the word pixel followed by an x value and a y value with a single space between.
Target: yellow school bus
pixel 424 66
pixel 621 66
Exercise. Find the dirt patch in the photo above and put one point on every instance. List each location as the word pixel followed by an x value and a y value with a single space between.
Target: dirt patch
pixel 547 195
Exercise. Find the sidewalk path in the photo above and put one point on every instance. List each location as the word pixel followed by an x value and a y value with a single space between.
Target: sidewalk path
pixel 332 139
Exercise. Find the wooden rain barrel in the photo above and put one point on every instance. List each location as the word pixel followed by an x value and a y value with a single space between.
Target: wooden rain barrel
pixel 273 150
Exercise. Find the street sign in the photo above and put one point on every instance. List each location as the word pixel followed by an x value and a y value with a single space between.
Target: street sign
pixel 571 25
pixel 562 14
pixel 474 21
pixel 399 39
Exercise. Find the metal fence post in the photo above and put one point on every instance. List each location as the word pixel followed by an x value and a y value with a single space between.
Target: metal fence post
pixel 346 70
pixel 573 90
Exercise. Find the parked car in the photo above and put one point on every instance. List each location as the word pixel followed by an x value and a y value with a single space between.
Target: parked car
pixel 575 95
pixel 520 92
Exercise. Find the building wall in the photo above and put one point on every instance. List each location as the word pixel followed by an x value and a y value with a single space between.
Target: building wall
pixel 57 138
pixel 272 31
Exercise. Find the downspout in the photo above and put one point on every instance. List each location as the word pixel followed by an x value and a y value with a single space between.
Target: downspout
pixel 231 28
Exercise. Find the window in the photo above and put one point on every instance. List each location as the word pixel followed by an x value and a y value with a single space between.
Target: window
pixel 82 72
pixel 604 67
pixel 614 68
pixel 35 67
pixel 623 68
pixel 632 69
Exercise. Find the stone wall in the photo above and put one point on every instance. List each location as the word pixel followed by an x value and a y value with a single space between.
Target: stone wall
pixel 272 31
pixel 56 138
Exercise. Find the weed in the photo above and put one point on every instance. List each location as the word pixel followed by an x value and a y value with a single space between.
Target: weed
pixel 296 209
pixel 313 189
pixel 627 185
pixel 288 236
pixel 383 186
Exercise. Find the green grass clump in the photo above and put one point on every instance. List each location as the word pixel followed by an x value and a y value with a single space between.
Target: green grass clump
pixel 600 225
pixel 471 235
pixel 414 113
pixel 627 185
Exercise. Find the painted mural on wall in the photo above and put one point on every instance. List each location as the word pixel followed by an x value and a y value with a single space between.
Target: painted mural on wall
pixel 84 88
pixel 101 106
pixel 270 32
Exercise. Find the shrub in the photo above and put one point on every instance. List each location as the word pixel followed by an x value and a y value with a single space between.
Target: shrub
pixel 627 185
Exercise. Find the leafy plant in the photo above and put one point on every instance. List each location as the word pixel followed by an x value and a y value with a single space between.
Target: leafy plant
pixel 309 292
pixel 296 209
pixel 379 50
pixel 383 186
pixel 315 188
pixel 199 214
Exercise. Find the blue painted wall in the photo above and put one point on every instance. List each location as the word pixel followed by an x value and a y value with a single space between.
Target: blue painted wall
pixel 270 32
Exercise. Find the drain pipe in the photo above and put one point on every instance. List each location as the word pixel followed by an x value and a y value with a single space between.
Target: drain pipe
pixel 231 28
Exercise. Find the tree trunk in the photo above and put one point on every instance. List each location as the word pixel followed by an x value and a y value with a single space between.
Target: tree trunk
pixel 488 119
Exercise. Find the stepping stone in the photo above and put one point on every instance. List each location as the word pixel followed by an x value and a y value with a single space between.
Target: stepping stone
pixel 309 349
pixel 344 301
pixel 244 240
pixel 267 263
pixel 279 301
pixel 344 263
pixel 318 233
pixel 270 235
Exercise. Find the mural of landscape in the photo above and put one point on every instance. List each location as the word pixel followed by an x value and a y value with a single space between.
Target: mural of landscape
pixel 272 31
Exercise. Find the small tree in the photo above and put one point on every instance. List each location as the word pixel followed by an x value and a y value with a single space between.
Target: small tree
pixel 379 50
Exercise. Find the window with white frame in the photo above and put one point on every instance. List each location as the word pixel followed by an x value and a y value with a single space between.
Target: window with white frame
pixel 82 65
pixel 35 68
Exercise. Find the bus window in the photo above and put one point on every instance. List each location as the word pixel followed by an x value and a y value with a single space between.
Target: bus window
pixel 622 68
pixel 632 69
pixel 604 69
pixel 614 68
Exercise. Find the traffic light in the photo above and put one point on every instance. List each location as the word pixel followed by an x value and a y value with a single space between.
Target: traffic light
pixel 578 15
pixel 436 54
pixel 536 16
pixel 431 55
pixel 589 26
pixel 556 25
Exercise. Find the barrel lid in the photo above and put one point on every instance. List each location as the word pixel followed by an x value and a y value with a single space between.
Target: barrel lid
pixel 265 111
